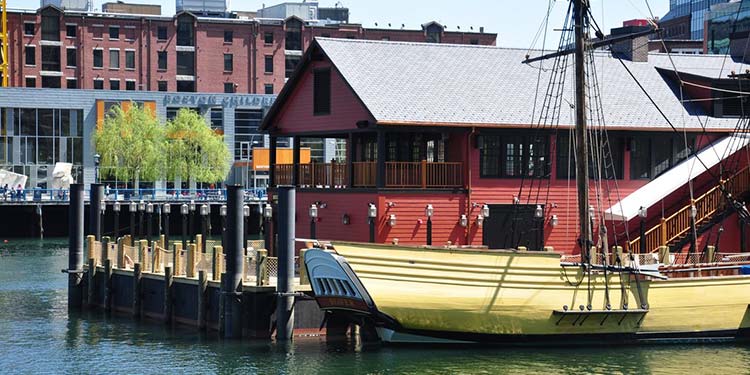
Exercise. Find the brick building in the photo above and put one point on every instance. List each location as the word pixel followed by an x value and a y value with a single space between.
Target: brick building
pixel 78 49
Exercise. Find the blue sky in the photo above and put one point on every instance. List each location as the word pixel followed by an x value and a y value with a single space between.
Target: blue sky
pixel 516 22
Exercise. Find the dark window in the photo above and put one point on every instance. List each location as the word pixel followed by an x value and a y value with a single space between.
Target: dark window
pixel 185 31
pixel 513 156
pixel 185 86
pixel 51 82
pixel 98 58
pixel 30 55
pixel 114 84
pixel 326 35
pixel 433 32
pixel 228 87
pixel 72 83
pixel 217 118
pixel 161 33
pixel 161 60
pixel 162 85
pixel 610 165
pixel 268 88
pixel 114 59
pixel 130 85
pixel 649 158
pixel 322 92
pixel 474 41
pixel 98 84
pixel 290 64
pixel 293 41
pixel 51 58
pixel 228 62
pixel 114 32
pixel 70 57
pixel 129 59
pixel 186 63
pixel 351 37
pixel 269 64
pixel 246 122
pixel 71 31
pixel 97 31
pixel 129 34
pixel 50 25
pixel 268 37
pixel 228 36
pixel 28 29
pixel 30 81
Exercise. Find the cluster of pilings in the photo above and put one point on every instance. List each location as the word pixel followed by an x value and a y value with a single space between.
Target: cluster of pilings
pixel 232 308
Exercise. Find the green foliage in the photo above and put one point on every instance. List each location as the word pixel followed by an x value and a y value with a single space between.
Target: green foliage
pixel 194 150
pixel 131 144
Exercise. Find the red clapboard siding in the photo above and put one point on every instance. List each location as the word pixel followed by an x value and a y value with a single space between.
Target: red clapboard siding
pixel 411 222
pixel 329 225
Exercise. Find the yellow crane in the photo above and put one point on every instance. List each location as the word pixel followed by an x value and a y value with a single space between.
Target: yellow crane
pixel 4 72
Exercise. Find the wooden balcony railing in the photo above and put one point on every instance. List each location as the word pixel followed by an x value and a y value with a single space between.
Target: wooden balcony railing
pixel 678 224
pixel 397 175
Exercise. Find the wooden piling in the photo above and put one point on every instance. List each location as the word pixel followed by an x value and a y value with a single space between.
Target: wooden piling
pixel 143 255
pixel 216 265
pixel 120 253
pixel 202 286
pixel 104 250
pixel 177 259
pixel 710 254
pixel 108 285
pixel 137 290
pixel 156 254
pixel 168 295
pixel 90 245
pixel 199 243
pixel 91 282
pixel 190 260
pixel 303 278
pixel 163 241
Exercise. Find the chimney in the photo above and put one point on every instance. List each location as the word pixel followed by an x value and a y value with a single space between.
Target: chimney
pixel 636 49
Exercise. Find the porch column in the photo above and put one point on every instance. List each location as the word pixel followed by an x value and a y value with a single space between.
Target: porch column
pixel 272 162
pixel 350 161
pixel 380 176
pixel 295 162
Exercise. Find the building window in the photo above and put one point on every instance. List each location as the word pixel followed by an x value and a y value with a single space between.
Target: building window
pixel 130 34
pixel 70 58
pixel 114 32
pixel 30 55
pixel 114 84
pixel 161 60
pixel 114 59
pixel 612 168
pixel 268 88
pixel 161 33
pixel 290 64
pixel 98 58
pixel 185 31
pixel 99 84
pixel 474 41
pixel 130 85
pixel 322 92
pixel 51 58
pixel 130 60
pixel 50 25
pixel 28 28
pixel 162 85
pixel 433 33
pixel 185 63
pixel 293 41
pixel 217 119
pixel 71 31
pixel 228 62
pixel 246 122
pixel 512 156
pixel 51 82
pixel 97 32
pixel 651 156
pixel 228 87
pixel 268 37
pixel 185 86
pixel 30 81
pixel 228 36
pixel 269 64
pixel 72 83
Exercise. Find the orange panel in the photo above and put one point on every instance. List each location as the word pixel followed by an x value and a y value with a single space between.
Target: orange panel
pixel 151 106
pixel 99 113
pixel 283 156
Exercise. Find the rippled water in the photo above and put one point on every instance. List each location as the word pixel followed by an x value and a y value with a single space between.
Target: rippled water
pixel 37 335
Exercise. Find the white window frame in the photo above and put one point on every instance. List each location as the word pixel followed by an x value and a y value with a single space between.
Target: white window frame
pixel 24 27
pixel 24 54
pixel 66 30
pixel 92 58
pixel 135 82
pixel 118 32
pixel 109 52
pixel 66 57
pixel 126 58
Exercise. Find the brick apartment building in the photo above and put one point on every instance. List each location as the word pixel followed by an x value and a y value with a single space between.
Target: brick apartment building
pixel 188 52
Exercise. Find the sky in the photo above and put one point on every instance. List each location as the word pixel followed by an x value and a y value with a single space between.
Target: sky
pixel 515 22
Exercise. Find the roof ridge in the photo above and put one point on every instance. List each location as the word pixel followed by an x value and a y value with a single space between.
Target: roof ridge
pixel 411 43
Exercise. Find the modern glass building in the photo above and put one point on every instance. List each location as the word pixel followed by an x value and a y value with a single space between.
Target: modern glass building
pixel 696 9
pixel 726 22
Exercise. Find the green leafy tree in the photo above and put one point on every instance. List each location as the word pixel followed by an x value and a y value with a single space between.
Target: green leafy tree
pixel 195 151
pixel 130 144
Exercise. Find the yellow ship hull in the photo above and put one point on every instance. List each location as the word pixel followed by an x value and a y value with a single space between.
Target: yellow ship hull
pixel 528 297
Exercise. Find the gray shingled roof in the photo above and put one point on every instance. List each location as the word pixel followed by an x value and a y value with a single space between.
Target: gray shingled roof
pixel 469 84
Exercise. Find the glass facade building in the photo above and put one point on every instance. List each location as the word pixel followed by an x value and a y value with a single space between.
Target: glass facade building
pixel 696 9
pixel 725 22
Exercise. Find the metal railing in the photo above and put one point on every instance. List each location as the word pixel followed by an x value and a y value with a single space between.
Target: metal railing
pixel 117 194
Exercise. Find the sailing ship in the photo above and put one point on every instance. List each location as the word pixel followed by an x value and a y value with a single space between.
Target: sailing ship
pixel 519 297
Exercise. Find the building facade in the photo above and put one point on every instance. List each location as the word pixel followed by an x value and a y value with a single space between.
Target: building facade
pixel 686 19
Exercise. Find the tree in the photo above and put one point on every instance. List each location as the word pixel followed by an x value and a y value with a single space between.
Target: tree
pixel 130 144
pixel 194 150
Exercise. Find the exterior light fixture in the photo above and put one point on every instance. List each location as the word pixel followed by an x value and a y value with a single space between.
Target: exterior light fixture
pixel 103 206
pixel 116 207
pixel 591 211
pixel 372 211
pixel 516 200
pixel 464 221
pixel 345 219
pixel 391 204
pixel 204 210
pixel 480 220
pixel 192 205
pixel 642 212
pixel 150 208
pixel 142 206
pixel 166 208
pixel 428 211
pixel 693 211
pixel 485 211
pixel 314 211
pixel 392 220
pixel 538 211
pixel 133 207
pixel 223 210
pixel 184 209
pixel 267 211
pixel 245 210
pixel 553 220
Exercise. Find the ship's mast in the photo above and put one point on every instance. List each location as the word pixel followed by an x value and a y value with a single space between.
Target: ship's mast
pixel 580 8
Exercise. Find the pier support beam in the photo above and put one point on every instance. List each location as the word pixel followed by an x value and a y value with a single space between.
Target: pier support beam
pixel 75 247
pixel 233 279
pixel 285 280
pixel 95 210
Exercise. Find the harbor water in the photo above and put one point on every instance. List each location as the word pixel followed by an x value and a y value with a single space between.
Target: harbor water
pixel 39 336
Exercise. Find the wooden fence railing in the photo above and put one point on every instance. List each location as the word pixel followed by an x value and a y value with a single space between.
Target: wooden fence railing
pixel 706 206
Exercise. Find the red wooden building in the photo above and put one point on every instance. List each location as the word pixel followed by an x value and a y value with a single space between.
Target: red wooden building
pixel 455 128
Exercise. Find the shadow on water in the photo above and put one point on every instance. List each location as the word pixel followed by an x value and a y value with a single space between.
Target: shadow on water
pixel 39 335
